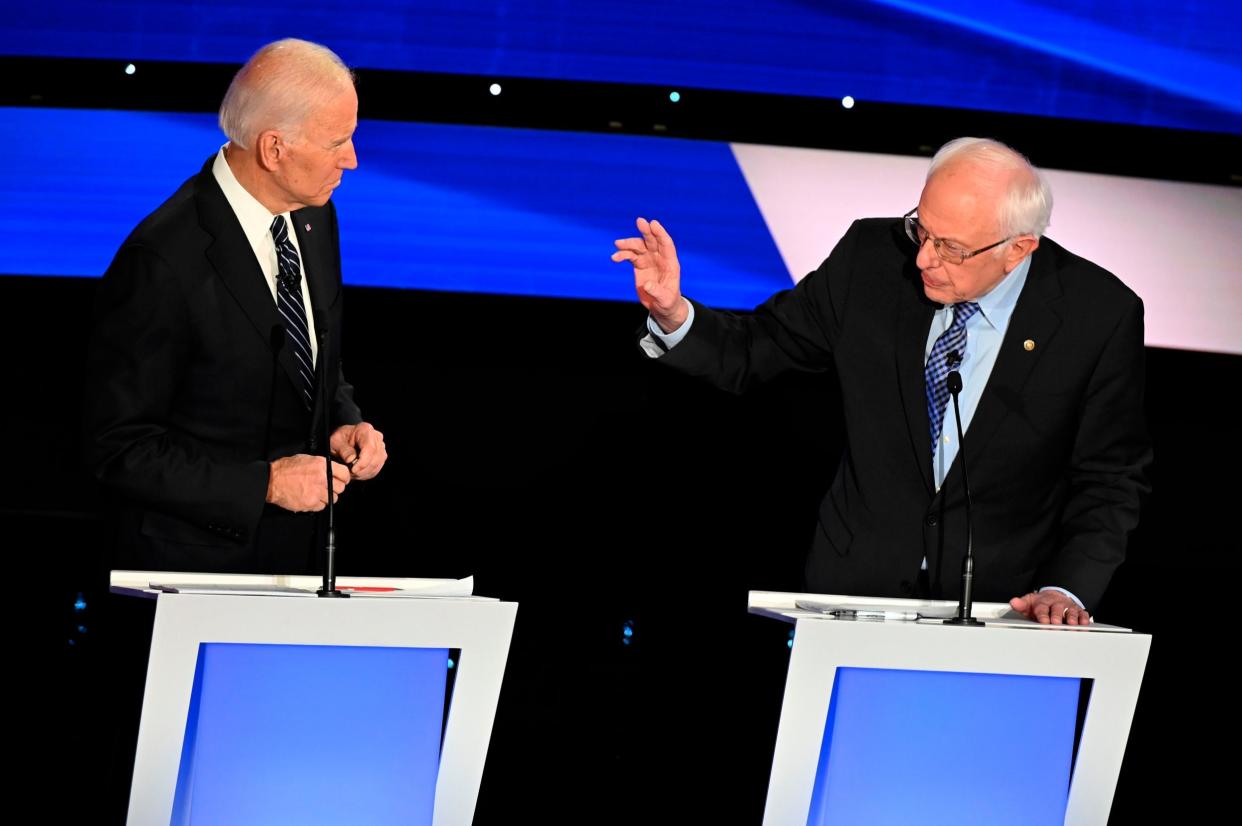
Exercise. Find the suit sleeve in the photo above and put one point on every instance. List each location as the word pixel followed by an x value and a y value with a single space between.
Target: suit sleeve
pixel 1108 468
pixel 793 330
pixel 138 352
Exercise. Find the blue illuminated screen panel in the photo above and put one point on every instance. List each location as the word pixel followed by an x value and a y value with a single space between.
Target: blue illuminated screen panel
pixel 272 730
pixel 932 747
pixel 1130 61
pixel 453 208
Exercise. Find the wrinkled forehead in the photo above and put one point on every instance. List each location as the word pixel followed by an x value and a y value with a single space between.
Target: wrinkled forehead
pixel 962 202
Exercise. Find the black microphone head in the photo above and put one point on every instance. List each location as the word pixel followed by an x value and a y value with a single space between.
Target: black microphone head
pixel 953 381
pixel 277 338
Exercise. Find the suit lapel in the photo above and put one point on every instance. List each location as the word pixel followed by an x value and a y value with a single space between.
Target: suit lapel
pixel 314 234
pixel 913 322
pixel 1034 319
pixel 233 259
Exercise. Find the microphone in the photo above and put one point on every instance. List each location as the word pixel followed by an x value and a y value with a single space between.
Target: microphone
pixel 329 588
pixel 965 603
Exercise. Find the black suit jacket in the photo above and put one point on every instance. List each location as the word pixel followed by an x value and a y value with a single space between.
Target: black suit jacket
pixel 190 394
pixel 1057 448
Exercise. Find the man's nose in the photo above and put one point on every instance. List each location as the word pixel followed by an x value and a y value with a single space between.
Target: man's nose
pixel 927 257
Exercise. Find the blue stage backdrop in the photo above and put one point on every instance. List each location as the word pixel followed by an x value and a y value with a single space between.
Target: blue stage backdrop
pixel 1129 61
pixel 460 208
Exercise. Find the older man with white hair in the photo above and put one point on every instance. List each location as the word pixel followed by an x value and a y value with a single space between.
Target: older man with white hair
pixel 217 325
pixel 1050 351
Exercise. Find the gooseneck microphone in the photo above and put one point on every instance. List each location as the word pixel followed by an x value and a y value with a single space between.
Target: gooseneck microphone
pixel 965 602
pixel 321 369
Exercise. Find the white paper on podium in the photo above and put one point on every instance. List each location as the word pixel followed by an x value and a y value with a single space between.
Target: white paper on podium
pixel 791 607
pixel 150 584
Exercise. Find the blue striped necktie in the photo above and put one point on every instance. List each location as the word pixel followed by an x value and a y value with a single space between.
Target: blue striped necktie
pixel 950 347
pixel 292 310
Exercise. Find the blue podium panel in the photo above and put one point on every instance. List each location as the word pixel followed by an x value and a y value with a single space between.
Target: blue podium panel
pixel 932 747
pixel 312 734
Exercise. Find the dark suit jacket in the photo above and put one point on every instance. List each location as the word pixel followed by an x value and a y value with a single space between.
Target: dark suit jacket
pixel 1057 448
pixel 188 395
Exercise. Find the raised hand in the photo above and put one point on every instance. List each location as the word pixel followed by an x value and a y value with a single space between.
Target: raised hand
pixel 657 273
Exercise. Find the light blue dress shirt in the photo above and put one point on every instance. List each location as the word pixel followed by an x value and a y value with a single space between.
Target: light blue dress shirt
pixel 984 333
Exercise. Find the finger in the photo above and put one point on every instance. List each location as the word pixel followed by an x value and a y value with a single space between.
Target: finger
pixel 665 240
pixel 649 240
pixel 340 472
pixel 631 244
pixel 362 469
pixel 1021 604
pixel 1077 616
pixel 1057 612
pixel 375 464
pixel 641 259
pixel 1042 612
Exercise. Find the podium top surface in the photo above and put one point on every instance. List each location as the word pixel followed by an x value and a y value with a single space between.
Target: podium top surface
pixel 150 584
pixel 791 607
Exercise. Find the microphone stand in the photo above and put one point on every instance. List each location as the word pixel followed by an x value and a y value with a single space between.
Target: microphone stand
pixel 329 588
pixel 965 602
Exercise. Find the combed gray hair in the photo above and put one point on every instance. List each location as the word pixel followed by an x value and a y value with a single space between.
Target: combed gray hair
pixel 1027 206
pixel 277 89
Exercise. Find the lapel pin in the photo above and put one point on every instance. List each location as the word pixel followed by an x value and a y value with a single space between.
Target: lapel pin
pixel 308 227
pixel 1028 345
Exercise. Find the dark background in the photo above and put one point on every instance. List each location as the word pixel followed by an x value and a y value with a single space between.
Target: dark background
pixel 551 461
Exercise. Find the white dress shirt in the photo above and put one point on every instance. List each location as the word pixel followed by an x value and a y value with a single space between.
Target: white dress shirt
pixel 256 223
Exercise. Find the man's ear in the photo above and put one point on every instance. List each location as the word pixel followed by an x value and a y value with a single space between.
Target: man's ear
pixel 269 149
pixel 1019 248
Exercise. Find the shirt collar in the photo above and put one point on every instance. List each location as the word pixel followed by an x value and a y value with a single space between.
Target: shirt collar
pixel 997 306
pixel 255 219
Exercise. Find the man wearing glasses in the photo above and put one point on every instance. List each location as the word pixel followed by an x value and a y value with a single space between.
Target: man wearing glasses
pixel 1050 350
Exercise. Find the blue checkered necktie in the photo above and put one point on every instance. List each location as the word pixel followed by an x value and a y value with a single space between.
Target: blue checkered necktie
pixel 292 310
pixel 946 356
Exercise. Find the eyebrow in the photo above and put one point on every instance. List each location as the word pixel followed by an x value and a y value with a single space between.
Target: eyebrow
pixel 943 239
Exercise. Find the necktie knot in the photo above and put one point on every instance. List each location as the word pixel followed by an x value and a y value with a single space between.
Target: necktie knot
pixel 963 311
pixel 289 269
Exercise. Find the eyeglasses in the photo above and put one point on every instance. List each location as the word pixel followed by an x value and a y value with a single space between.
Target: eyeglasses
pixel 947 250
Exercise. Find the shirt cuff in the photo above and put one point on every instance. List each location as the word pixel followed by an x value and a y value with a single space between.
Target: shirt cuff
pixel 1077 601
pixel 657 342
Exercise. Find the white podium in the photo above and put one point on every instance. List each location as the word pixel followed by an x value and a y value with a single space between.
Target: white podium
pixel 914 721
pixel 266 708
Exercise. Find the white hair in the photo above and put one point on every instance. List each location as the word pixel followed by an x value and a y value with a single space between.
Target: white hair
pixel 1026 208
pixel 278 88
